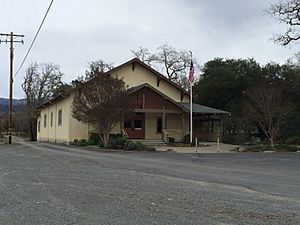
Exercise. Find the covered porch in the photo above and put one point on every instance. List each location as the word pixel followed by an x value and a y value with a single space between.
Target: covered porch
pixel 157 117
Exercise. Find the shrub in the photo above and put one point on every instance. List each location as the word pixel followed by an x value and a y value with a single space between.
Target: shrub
pixel 171 141
pixel 115 136
pixel 186 140
pixel 293 140
pixel 76 142
pixel 118 143
pixel 82 142
pixel 94 139
pixel 130 146
pixel 141 147
pixel 237 139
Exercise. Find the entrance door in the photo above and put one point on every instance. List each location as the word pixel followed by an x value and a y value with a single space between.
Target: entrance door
pixel 135 126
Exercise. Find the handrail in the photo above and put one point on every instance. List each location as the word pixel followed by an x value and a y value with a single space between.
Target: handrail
pixel 124 133
pixel 165 136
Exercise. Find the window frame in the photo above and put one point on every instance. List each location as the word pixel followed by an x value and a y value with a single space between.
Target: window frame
pixel 59 119
pixel 45 120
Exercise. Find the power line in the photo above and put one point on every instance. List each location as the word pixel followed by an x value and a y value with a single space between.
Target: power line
pixel 35 37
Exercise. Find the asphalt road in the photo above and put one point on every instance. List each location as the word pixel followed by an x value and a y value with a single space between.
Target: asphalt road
pixel 51 184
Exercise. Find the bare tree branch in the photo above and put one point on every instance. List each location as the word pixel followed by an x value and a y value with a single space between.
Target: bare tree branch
pixel 287 13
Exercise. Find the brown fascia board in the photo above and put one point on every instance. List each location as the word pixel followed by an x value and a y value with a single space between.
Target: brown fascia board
pixel 139 87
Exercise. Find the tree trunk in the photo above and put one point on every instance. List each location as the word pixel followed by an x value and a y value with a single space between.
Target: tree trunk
pixel 272 142
pixel 32 129
pixel 106 139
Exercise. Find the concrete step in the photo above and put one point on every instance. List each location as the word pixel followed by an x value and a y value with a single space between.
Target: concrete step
pixel 150 142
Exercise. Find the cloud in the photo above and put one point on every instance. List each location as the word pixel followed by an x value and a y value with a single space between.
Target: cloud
pixel 78 32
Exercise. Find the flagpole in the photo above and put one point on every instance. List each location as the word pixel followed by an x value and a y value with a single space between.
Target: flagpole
pixel 191 102
pixel 191 113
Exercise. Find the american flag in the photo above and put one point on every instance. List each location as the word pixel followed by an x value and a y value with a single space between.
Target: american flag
pixel 191 73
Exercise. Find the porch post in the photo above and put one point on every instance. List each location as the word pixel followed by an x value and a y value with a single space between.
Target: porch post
pixel 163 119
pixel 208 125
pixel 221 128
pixel 182 125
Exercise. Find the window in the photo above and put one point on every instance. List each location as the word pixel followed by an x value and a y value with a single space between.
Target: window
pixel 159 125
pixel 51 119
pixel 60 117
pixel 39 126
pixel 127 124
pixel 138 124
pixel 45 120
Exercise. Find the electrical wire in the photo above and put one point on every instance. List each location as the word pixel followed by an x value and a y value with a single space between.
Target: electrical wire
pixel 35 37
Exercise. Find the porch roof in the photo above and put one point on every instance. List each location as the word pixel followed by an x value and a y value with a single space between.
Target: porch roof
pixel 202 109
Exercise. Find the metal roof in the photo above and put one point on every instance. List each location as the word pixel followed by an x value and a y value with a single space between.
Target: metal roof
pixel 202 109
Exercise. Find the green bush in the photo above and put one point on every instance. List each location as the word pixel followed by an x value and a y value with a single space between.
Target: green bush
pixel 293 140
pixel 186 139
pixel 118 143
pixel 141 147
pixel 237 139
pixel 131 146
pixel 171 141
pixel 287 148
pixel 76 142
pixel 115 136
pixel 82 142
pixel 94 139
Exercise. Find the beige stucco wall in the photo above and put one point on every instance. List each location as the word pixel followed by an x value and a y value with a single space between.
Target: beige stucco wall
pixel 77 130
pixel 140 75
pixel 55 133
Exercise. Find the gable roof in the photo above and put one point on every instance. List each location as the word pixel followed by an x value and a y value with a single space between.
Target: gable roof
pixel 139 87
pixel 159 75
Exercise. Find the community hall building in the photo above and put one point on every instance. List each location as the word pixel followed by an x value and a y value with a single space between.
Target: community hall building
pixel 161 109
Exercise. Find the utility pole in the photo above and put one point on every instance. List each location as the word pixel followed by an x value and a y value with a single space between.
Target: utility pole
pixel 11 41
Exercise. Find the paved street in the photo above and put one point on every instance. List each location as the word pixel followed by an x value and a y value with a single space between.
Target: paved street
pixel 53 184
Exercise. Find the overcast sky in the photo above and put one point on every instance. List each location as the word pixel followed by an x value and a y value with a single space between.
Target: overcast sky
pixel 77 32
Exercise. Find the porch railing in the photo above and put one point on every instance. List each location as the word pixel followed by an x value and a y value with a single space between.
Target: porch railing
pixel 124 133
pixel 175 133
pixel 165 136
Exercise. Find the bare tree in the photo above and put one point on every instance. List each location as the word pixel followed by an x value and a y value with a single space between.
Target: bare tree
pixel 145 55
pixel 287 13
pixel 267 108
pixel 102 103
pixel 173 62
pixel 41 83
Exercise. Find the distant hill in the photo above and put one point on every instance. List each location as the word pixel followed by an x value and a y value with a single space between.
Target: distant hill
pixel 17 104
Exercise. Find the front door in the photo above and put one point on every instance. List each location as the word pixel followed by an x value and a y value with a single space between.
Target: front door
pixel 135 126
